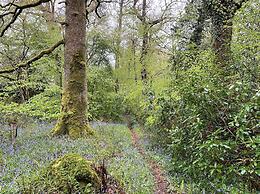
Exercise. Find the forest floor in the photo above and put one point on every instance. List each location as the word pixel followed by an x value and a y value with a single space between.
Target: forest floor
pixel 161 183
pixel 125 154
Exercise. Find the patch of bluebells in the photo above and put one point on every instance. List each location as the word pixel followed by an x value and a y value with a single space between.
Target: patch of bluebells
pixel 35 149
pixel 134 171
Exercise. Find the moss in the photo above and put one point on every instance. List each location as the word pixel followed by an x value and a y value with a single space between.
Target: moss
pixel 68 174
pixel 73 120
pixel 72 127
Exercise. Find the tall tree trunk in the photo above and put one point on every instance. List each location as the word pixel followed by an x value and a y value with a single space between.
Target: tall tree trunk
pixel 134 58
pixel 222 36
pixel 118 33
pixel 222 13
pixel 73 120
pixel 145 35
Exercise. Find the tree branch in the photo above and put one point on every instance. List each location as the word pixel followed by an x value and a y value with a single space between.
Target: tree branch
pixel 17 11
pixel 33 59
pixel 93 6
pixel 6 77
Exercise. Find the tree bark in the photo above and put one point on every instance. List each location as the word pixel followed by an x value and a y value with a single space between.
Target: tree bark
pixel 196 36
pixel 73 119
pixel 222 36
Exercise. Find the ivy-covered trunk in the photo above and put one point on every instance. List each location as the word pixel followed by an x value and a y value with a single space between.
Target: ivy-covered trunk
pixel 222 37
pixel 222 13
pixel 73 119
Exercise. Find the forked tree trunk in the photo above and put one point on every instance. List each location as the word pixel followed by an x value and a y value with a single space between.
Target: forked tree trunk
pixel 73 120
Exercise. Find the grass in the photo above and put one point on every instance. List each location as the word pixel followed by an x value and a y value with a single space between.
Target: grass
pixel 112 144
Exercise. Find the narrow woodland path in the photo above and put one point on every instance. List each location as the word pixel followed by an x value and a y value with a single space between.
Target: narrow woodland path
pixel 161 184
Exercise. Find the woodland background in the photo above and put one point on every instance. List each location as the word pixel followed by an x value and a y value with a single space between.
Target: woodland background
pixel 184 73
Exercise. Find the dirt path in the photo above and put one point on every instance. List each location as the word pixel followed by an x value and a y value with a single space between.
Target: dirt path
pixel 161 184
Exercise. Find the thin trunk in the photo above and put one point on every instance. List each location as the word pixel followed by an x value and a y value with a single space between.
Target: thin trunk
pixel 134 58
pixel 197 33
pixel 145 35
pixel 118 35
pixel 73 120
pixel 49 11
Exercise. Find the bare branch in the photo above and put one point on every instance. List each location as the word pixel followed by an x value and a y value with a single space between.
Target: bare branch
pixel 93 7
pixel 17 11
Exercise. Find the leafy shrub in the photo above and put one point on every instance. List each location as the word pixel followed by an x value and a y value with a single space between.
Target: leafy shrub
pixel 104 103
pixel 44 106
pixel 210 125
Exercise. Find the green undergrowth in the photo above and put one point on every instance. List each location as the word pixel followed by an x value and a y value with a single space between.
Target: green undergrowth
pixel 178 182
pixel 111 145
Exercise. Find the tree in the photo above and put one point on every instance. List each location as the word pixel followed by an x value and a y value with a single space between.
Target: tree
pixel 74 100
pixel 73 120
pixel 119 33
pixel 147 25
pixel 222 13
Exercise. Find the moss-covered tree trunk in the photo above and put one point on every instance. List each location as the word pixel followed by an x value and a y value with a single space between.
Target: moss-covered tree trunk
pixel 73 120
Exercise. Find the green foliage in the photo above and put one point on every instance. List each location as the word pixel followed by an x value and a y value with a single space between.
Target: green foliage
pixel 20 45
pixel 205 117
pixel 100 49
pixel 44 106
pixel 104 103
pixel 210 125
pixel 208 119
